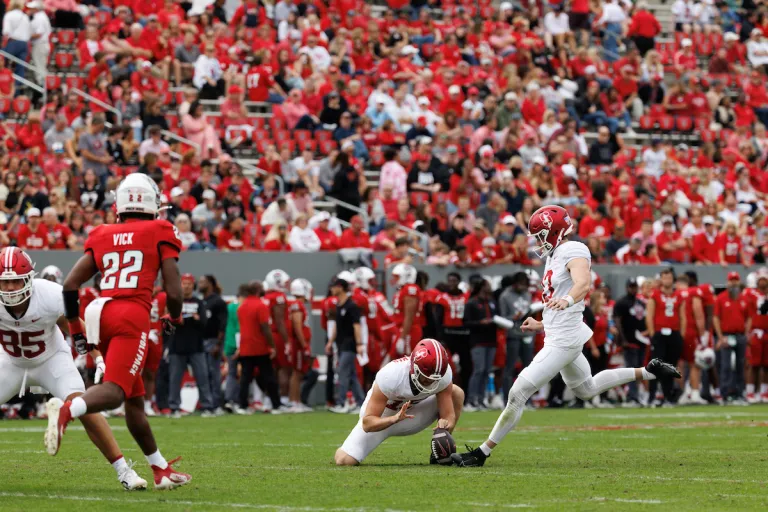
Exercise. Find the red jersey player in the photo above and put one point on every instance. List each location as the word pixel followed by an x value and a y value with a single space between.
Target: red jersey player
pixel 129 255
pixel 259 81
pixel 276 286
pixel 155 354
pixel 665 319
pixel 301 339
pixel 758 343
pixel 379 322
pixel 407 304
pixel 694 335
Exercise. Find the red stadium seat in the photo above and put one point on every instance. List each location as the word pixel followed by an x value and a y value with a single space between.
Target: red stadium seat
pixel 307 144
pixel 666 123
pixel 5 105
pixel 684 123
pixel 418 197
pixel 302 135
pixel 326 146
pixel 705 48
pixel 657 110
pixel 701 123
pixel 262 144
pixel 52 82
pixel 323 135
pixel 259 135
pixel 257 122
pixel 647 123
pixel 377 156
pixel 707 136
pixel 282 135
pixel 104 17
pixel 63 60
pixel 289 143
pixel 277 123
pixel 21 105
pixel 65 37
pixel 74 82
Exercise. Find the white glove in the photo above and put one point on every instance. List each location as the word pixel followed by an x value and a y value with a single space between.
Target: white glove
pixel 704 340
pixel 101 369
pixel 80 362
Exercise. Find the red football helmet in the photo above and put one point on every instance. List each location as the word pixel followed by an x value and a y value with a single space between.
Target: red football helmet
pixel 16 265
pixel 549 224
pixel 429 362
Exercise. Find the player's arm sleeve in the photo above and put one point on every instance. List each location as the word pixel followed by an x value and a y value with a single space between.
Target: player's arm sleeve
pixel 575 251
pixel 168 243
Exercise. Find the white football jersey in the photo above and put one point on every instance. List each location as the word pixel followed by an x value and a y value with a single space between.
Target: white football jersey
pixel 564 328
pixel 394 380
pixel 34 338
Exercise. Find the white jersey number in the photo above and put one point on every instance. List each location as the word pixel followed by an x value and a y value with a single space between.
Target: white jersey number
pixel 26 344
pixel 128 278
pixel 669 308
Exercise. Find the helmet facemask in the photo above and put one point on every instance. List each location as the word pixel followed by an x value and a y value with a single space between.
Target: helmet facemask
pixel 16 297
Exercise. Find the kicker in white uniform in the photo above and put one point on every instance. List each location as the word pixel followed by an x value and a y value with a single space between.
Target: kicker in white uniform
pixel 565 283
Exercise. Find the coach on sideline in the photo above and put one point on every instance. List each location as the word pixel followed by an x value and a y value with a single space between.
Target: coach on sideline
pixel 348 339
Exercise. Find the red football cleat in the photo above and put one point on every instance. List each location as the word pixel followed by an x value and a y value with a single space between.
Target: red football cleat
pixel 59 416
pixel 168 478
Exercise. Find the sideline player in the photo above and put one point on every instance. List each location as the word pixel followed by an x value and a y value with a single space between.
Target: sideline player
pixel 408 306
pixel 408 395
pixel 301 339
pixel 566 282
pixel 276 285
pixel 129 255
pixel 35 352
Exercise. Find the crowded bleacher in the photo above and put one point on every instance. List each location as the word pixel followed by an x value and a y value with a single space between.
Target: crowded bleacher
pixel 430 130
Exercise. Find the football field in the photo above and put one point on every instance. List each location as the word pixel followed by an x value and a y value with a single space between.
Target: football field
pixel 689 458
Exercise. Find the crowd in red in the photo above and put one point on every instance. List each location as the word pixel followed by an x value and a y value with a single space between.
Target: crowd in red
pixel 474 115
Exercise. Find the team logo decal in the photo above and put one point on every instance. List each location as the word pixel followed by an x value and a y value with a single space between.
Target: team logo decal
pixel 546 219
pixel 421 354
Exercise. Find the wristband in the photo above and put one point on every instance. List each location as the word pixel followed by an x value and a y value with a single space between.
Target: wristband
pixel 569 300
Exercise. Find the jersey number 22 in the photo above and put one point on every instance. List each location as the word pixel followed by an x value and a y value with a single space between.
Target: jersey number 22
pixel 121 272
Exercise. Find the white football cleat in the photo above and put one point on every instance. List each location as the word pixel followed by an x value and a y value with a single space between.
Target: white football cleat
pixel 131 480
pixel 339 409
pixel 243 412
pixel 148 410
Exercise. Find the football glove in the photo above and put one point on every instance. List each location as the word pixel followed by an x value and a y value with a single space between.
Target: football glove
pixel 170 324
pixel 101 369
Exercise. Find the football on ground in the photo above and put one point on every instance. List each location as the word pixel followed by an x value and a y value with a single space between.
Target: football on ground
pixel 680 459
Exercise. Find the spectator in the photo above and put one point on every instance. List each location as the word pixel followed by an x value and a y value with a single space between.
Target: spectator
pixel 329 241
pixel 303 238
pixel 670 242
pixel 603 150
pixel 153 144
pixel 611 20
pixel 197 129
pixel 32 197
pixel 59 234
pixel 17 32
pixel 256 348
pixel 478 318
pixel 283 210
pixel 317 54
pixel 301 198
pixel 186 54
pixel 7 83
pixel 209 77
pixel 355 236
pixel 40 31
pixel 93 150
pixel 277 238
pixel 231 236
pixel 60 133
pixel 514 304
pixel 347 336
pixel 346 187
pixel 644 28
pixel 491 211
pixel 34 234
pixel 732 330
pixel 231 350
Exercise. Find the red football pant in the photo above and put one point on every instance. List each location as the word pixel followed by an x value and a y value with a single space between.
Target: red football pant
pixel 124 332
pixel 758 351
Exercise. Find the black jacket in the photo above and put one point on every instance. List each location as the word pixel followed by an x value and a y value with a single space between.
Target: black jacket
pixel 188 337
pixel 475 311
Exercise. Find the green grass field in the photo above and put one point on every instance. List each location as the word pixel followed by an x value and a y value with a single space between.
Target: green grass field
pixel 706 458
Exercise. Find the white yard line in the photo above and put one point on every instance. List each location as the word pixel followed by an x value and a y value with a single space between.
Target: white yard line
pixel 188 503
pixel 41 429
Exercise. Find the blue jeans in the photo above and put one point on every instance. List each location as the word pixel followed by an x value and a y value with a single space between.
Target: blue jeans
pixel 348 379
pixel 199 364
pixel 361 150
pixel 599 118
pixel 611 42
pixel 275 98
pixel 732 375
pixel 516 349
pixel 633 358
pixel 482 361
pixel 231 387
pixel 20 50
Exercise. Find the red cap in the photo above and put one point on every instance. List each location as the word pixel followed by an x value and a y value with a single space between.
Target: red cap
pixel 473 90
pixel 734 276
pixel 422 120
pixel 188 277
pixel 357 221
pixel 235 89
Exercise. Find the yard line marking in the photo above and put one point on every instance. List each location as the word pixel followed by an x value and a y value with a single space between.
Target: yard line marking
pixel 713 414
pixel 624 500
pixel 40 430
pixel 23 451
pixel 499 505
pixel 286 508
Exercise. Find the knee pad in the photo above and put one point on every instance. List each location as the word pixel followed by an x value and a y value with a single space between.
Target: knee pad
pixel 519 394
pixel 586 390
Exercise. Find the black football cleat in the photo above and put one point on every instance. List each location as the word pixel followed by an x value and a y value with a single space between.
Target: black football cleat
pixel 661 369
pixel 474 458
pixel 432 458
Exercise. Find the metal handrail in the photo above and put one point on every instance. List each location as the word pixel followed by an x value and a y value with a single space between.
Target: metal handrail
pixel 348 206
pixel 105 106
pixel 259 170
pixel 32 68
pixel 183 140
